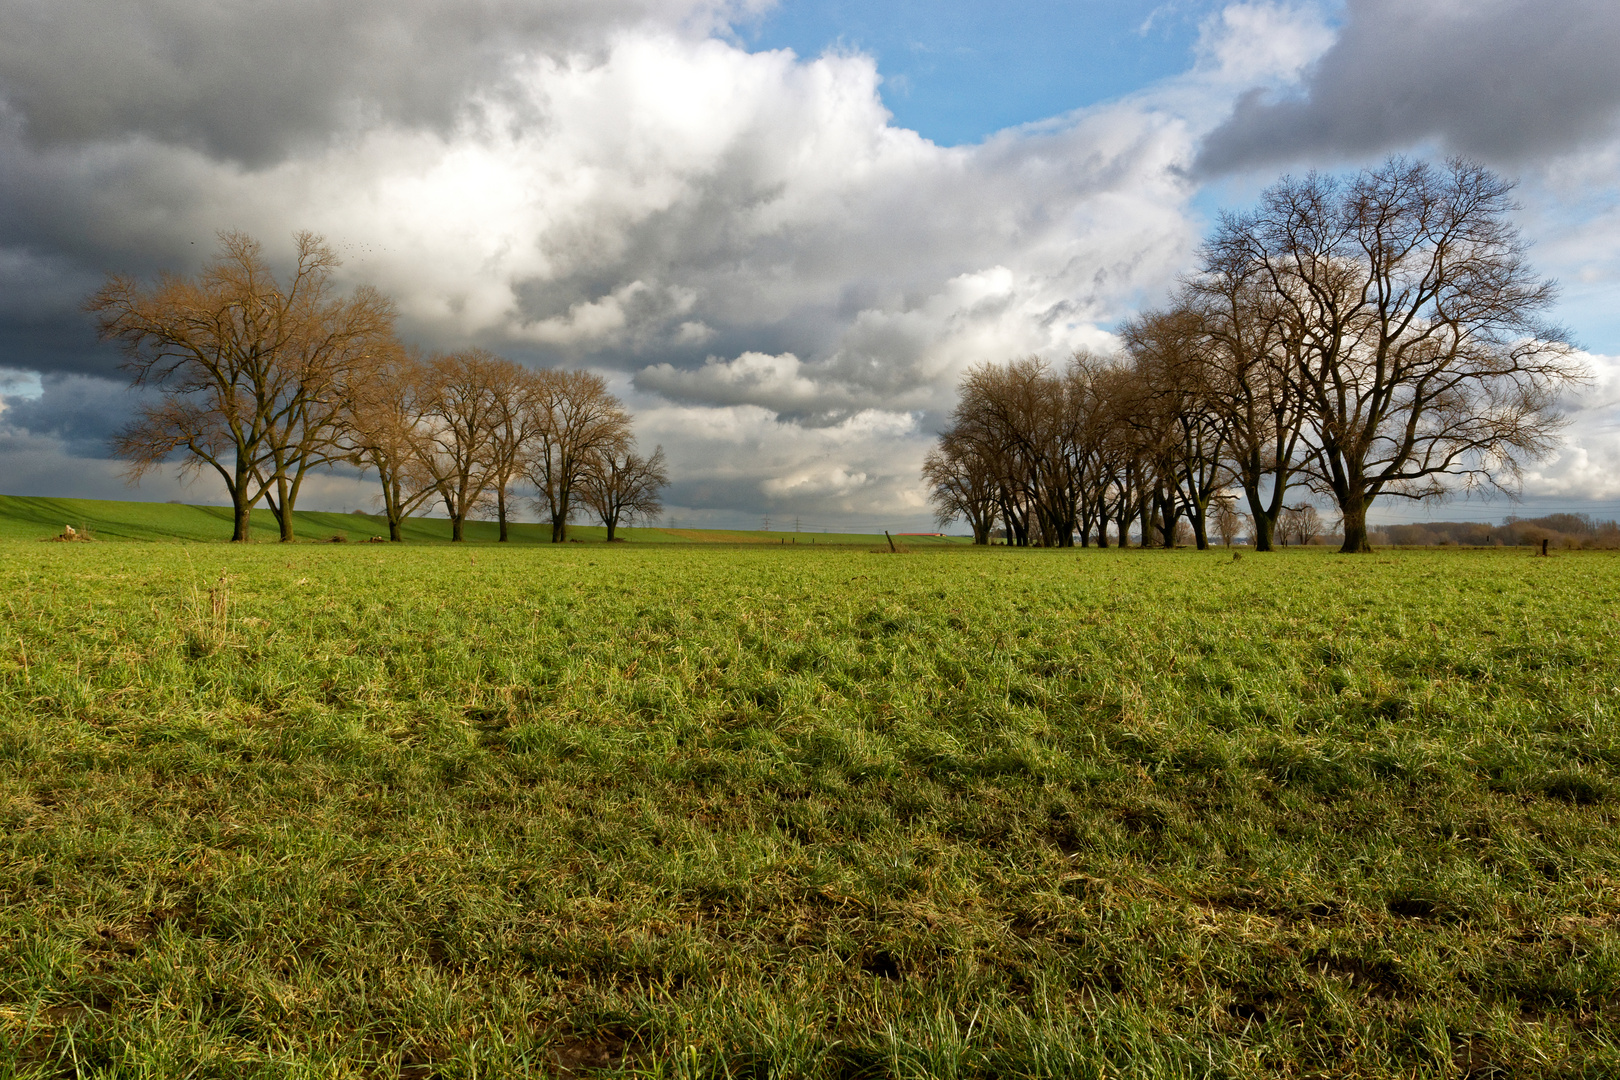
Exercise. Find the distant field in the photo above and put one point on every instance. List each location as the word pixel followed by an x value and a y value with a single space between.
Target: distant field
pixel 752 812
pixel 23 518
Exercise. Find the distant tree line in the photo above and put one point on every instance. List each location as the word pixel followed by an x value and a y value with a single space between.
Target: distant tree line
pixel 263 380
pixel 1559 530
pixel 1374 336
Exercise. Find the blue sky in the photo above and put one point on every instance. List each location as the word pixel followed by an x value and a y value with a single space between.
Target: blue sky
pixel 957 72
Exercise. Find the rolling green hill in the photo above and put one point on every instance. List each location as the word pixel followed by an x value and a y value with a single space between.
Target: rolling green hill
pixel 23 518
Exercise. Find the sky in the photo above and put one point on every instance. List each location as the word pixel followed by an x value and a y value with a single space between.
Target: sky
pixel 781 230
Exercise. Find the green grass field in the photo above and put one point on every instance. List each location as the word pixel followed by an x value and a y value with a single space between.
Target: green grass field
pixel 726 811
pixel 33 518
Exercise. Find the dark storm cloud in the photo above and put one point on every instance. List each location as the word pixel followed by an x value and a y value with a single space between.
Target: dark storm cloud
pixel 249 82
pixel 43 326
pixel 81 412
pixel 65 347
pixel 1500 80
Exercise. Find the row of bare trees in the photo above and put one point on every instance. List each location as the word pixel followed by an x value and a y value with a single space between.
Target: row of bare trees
pixel 263 380
pixel 1373 336
pixel 469 428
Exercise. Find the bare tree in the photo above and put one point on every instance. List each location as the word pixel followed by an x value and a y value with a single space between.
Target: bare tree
pixel 252 372
pixel 513 425
pixel 1052 456
pixel 1377 336
pixel 1252 344
pixel 1304 523
pixel 1228 521
pixel 961 484
pixel 578 420
pixel 1148 443
pixel 1120 481
pixel 1178 397
pixel 386 423
pixel 1425 364
pixel 1087 383
pixel 622 486
pixel 453 446
pixel 1016 418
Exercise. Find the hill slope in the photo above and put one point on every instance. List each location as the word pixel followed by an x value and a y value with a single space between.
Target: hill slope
pixel 28 518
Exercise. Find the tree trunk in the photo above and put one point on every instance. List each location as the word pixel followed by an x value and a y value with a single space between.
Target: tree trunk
pixel 239 525
pixel 500 510
pixel 290 502
pixel 1263 529
pixel 1167 511
pixel 457 535
pixel 283 511
pixel 391 501
pixel 612 524
pixel 1356 541
pixel 1265 522
pixel 275 512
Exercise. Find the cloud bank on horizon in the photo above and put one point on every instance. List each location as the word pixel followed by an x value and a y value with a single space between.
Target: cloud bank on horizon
pixel 783 284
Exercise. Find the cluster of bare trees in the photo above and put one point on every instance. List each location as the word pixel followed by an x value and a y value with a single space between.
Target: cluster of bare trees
pixel 1361 337
pixel 263 381
pixel 469 428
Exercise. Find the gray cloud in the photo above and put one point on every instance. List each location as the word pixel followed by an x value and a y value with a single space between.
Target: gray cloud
pixel 1499 80
pixel 249 82
pixel 80 412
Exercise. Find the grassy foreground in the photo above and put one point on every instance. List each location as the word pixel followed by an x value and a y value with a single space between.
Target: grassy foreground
pixel 685 811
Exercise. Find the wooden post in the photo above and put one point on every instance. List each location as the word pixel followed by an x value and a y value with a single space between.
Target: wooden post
pixel 1543 547
pixel 890 539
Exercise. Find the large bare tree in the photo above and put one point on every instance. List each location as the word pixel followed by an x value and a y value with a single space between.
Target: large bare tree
pixel 252 372
pixel 578 421
pixel 1425 363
